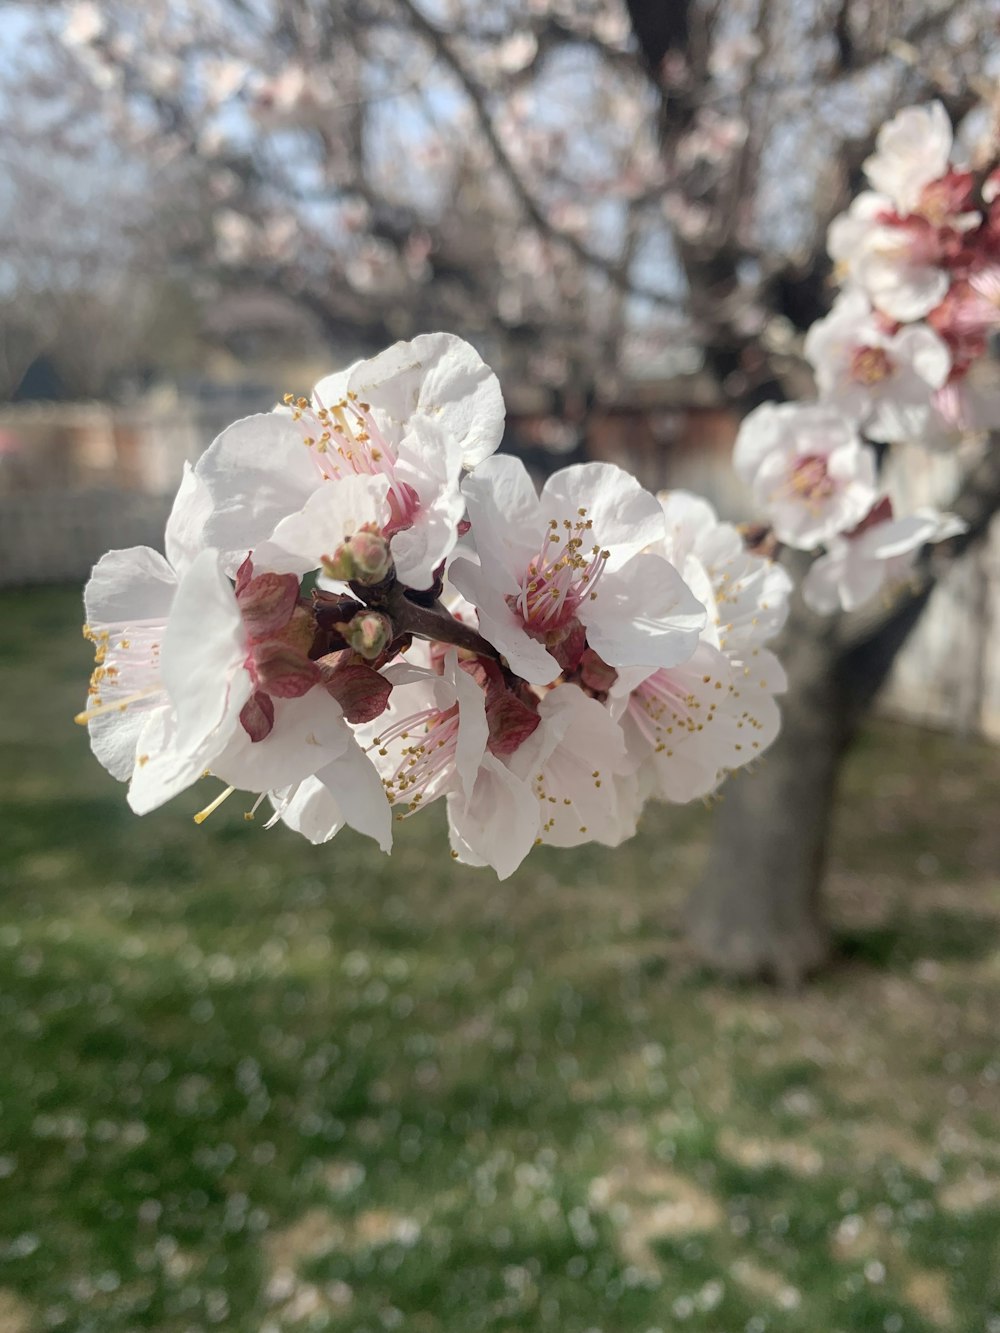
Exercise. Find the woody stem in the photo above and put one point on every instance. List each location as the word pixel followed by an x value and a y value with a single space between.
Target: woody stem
pixel 426 622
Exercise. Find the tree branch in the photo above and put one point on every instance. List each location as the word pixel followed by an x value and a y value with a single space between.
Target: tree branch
pixel 616 272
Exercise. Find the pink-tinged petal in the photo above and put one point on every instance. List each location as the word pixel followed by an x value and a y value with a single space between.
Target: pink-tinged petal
pixel 626 517
pixel 308 733
pixel 511 721
pixel 330 514
pixel 643 614
pixel 203 652
pixel 184 537
pixel 440 376
pixel 498 624
pixel 507 523
pixel 497 824
pixel 257 472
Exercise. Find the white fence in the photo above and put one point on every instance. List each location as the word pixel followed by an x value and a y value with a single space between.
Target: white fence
pixel 56 536
pixel 78 479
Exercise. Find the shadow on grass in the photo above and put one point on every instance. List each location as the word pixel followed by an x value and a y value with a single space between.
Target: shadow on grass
pixel 941 934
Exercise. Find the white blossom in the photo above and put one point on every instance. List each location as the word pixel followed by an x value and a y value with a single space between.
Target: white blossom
pixel 413 416
pixel 883 381
pixel 807 470
pixel 687 727
pixel 896 262
pixel 570 562
pixel 854 570
pixel 911 151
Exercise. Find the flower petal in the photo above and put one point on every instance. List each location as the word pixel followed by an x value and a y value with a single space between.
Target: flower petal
pixel 257 472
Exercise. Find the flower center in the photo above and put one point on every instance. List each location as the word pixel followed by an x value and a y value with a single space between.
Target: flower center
pixel 664 706
pixel 561 577
pixel 809 478
pixel 871 365
pixel 346 440
pixel 427 765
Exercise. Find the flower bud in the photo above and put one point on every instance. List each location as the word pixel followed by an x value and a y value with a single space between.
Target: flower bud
pixel 369 633
pixel 372 558
pixel 364 557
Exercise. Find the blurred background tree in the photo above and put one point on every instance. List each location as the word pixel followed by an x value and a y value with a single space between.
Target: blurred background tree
pixel 594 195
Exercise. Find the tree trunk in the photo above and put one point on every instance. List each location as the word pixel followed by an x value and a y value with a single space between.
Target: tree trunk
pixel 757 911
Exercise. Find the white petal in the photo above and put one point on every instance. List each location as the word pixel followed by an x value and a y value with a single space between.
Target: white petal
pixel 762 436
pixel 185 532
pixel 644 614
pixel 571 760
pixel 163 769
pixel 821 585
pixel 473 731
pixel 687 516
pixel 308 733
pixel 347 791
pixel 257 472
pixel 926 352
pixel 898 536
pixel 507 523
pixel 901 290
pixel 439 376
pixel 203 651
pixel 133 585
pixel 498 823
pixel 331 513
pixel 625 516
pixel 430 460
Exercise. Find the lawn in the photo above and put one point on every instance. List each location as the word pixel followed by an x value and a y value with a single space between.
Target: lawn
pixel 251 1085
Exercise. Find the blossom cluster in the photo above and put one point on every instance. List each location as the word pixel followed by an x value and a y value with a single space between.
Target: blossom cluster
pixel 364 607
pixel 919 258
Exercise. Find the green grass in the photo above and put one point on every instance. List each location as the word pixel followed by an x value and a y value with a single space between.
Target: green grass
pixel 252 1085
